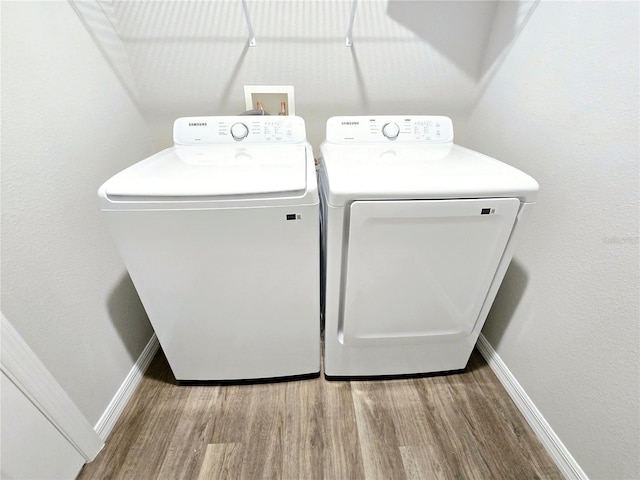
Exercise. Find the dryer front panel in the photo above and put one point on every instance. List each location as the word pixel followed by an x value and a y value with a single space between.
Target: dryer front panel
pixel 420 270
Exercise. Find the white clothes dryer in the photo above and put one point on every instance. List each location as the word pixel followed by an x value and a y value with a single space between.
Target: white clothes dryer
pixel 220 236
pixel 417 235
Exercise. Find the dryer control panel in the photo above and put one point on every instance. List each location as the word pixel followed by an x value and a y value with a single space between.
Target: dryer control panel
pixel 238 129
pixel 390 128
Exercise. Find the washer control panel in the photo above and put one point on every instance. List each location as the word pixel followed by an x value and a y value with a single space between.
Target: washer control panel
pixel 390 128
pixel 263 129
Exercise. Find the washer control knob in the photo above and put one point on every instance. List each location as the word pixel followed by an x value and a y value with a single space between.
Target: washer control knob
pixel 391 130
pixel 239 131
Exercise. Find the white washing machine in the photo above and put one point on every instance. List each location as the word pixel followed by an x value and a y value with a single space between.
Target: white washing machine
pixel 417 235
pixel 220 236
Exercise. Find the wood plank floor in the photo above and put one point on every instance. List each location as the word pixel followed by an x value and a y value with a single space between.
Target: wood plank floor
pixel 460 426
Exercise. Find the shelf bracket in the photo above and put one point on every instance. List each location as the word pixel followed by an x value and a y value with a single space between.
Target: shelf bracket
pixel 350 30
pixel 252 36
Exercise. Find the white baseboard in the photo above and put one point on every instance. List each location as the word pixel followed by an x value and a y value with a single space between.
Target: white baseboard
pixel 123 395
pixel 551 442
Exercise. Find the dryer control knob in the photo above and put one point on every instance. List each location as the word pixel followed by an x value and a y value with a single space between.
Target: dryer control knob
pixel 391 130
pixel 239 131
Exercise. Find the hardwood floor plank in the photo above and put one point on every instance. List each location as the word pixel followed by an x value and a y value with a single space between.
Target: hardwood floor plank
pixel 184 454
pixel 451 414
pixel 342 456
pixel 420 462
pixel 303 434
pixel 263 438
pixel 420 447
pixel 408 416
pixel 231 418
pixel 376 431
pixel 221 461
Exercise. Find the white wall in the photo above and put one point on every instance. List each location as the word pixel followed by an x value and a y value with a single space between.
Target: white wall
pixel 563 106
pixel 67 125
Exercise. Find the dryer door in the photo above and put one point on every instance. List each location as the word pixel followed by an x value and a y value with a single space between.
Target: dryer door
pixel 420 270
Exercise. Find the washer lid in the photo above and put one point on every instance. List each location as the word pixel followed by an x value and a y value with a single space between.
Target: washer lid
pixel 361 172
pixel 210 172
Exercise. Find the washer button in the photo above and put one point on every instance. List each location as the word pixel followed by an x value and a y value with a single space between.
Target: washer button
pixel 391 130
pixel 239 131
